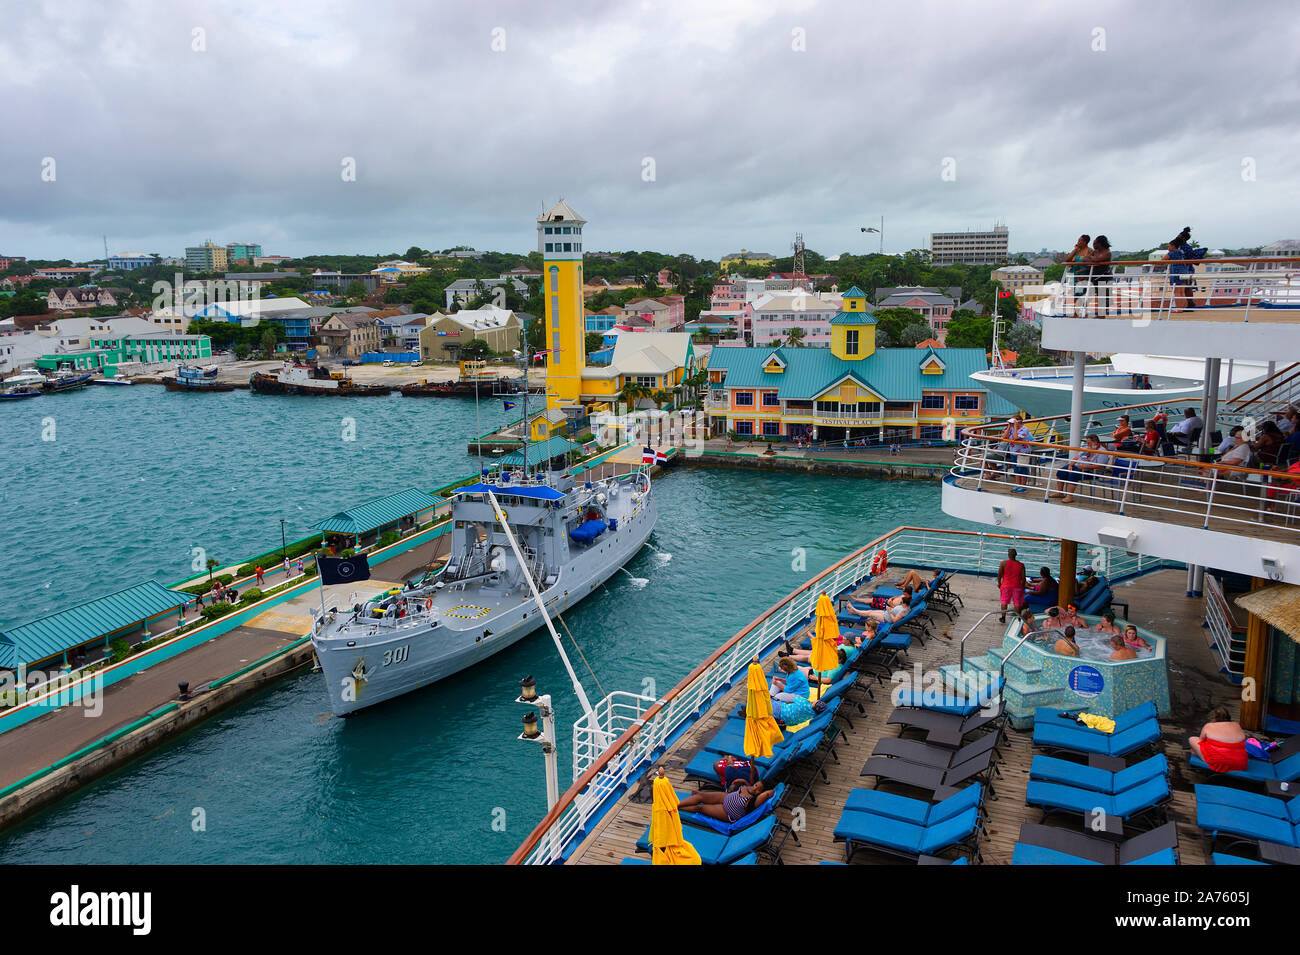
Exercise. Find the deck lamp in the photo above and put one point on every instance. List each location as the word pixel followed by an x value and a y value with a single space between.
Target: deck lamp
pixel 530 726
pixel 527 690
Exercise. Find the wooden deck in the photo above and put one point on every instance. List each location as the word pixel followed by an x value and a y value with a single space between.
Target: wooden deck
pixel 1157 602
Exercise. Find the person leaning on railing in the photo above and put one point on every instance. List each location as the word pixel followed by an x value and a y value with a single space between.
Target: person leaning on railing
pixel 1082 466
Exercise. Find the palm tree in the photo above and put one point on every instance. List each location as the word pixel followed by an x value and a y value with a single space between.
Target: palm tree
pixel 795 338
pixel 213 564
pixel 662 397
pixel 632 393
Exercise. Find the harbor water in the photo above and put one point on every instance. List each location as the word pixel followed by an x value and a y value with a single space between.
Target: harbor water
pixel 438 775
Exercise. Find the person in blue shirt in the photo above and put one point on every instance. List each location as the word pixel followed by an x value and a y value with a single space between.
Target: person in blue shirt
pixel 790 684
pixel 1180 270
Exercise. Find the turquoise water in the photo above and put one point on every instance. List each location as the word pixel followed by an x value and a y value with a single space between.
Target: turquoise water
pixel 424 778
pixel 136 478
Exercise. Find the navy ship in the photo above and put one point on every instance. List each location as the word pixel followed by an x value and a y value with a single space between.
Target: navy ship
pixel 522 546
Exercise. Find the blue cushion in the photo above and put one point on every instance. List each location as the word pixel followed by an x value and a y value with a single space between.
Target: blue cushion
pixel 1286 809
pixel 1025 854
pixel 1222 858
pixel 1215 819
pixel 1071 798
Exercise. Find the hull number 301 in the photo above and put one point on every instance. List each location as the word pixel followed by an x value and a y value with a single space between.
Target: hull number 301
pixel 397 655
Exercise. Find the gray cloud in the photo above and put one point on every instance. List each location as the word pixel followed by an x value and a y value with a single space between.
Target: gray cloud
pixel 159 146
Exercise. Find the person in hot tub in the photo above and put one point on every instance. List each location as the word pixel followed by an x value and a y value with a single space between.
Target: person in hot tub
pixel 1133 640
pixel 1107 624
pixel 1066 645
pixel 1053 619
pixel 1069 617
pixel 1119 651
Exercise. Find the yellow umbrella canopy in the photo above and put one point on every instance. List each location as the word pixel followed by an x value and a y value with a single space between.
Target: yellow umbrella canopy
pixel 667 844
pixel 825 656
pixel 761 730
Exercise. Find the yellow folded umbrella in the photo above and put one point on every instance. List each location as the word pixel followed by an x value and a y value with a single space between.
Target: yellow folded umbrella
pixel 667 844
pixel 761 730
pixel 826 630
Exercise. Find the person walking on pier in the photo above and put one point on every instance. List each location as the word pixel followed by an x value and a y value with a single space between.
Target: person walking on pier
pixel 258 571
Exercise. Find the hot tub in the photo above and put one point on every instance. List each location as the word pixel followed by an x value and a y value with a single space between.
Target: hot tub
pixel 1090 682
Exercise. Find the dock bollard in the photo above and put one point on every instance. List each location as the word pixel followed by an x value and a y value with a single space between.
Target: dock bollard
pixel 184 687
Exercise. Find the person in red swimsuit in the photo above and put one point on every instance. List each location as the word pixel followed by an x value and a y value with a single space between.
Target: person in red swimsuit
pixel 1011 584
pixel 1222 743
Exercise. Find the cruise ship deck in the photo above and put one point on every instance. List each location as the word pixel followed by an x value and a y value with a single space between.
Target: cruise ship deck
pixel 607 811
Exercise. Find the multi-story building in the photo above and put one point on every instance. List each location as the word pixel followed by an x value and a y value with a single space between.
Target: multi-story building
pixel 242 253
pixel 743 258
pixel 130 261
pixel 930 304
pixel 464 291
pixel 66 273
pixel 849 390
pixel 9 261
pixel 980 247
pixel 445 335
pixel 349 335
pixel 1013 278
pixel 208 257
pixel 776 314
pixel 84 296
pixel 667 313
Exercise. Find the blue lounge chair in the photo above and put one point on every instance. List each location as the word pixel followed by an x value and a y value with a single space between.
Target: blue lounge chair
pixel 717 849
pixel 1138 715
pixel 1143 798
pixel 1025 854
pixel 750 859
pixel 1054 733
pixel 916 811
pixel 1283 765
pixel 1218 819
pixel 1048 769
pixel 1285 809
pixel 859 830
pixel 1223 858
pixel 958 705
pixel 701 821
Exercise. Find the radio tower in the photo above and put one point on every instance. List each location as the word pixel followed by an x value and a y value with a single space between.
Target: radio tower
pixel 800 278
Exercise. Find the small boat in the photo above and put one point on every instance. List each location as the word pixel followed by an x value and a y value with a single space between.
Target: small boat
pixel 116 382
pixel 66 379
pixel 475 380
pixel 311 379
pixel 193 378
pixel 25 381
pixel 19 392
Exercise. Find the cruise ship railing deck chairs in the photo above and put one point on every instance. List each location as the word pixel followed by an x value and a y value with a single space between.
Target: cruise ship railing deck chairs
pixel 911 828
pixel 1145 800
pixel 947 729
pixel 1049 769
pixel 1052 845
pixel 716 849
pixel 1282 766
pixel 1135 729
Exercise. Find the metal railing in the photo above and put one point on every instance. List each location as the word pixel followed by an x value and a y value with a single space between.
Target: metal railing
pixel 1218 620
pixel 644 729
pixel 1146 290
pixel 1204 494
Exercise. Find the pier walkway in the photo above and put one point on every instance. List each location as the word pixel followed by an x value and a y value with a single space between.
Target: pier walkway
pixel 27 748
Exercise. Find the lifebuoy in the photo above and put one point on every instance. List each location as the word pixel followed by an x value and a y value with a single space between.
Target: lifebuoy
pixel 428 604
pixel 880 564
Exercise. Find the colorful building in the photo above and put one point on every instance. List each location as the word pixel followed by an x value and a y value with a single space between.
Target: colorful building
pixel 559 240
pixel 850 390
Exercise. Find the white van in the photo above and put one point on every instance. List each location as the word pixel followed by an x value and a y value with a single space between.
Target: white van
pixel 388 363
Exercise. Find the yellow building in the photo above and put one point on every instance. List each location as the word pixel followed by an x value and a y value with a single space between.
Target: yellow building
pixel 559 240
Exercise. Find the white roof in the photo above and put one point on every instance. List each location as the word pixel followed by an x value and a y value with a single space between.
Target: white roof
pixel 80 327
pixel 255 306
pixel 483 319
pixel 650 352
pixel 562 211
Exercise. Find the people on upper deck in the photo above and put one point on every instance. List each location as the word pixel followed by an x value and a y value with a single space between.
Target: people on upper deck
pixel 890 614
pixel 1240 455
pixel 1269 443
pixel 1187 430
pixel 1180 270
pixel 1099 273
pixel 1118 650
pixel 1287 419
pixel 1122 438
pixel 1221 742
pixel 1066 645
pixel 1084 464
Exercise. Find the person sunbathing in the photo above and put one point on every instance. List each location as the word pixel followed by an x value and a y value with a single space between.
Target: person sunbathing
pixel 914 581
pixel 1107 624
pixel 730 806
pixel 1133 640
pixel 1066 645
pixel 1120 651
pixel 1221 743
pixel 890 614
pixel 877 603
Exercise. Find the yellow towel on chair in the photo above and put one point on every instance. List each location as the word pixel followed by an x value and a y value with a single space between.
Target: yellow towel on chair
pixel 1102 723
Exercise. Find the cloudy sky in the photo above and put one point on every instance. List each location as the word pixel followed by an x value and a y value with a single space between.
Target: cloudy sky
pixel 676 125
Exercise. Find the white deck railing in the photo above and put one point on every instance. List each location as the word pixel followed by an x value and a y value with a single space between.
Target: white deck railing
pixel 642 729
pixel 1218 620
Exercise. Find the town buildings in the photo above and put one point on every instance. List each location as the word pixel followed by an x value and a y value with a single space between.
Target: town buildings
pixel 65 299
pixel 130 261
pixel 446 335
pixel 349 335
pixel 207 257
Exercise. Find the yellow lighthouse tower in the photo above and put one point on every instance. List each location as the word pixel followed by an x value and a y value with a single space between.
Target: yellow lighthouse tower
pixel 559 240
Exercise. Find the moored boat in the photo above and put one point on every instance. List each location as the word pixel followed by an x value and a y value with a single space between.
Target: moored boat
pixel 65 379
pixel 311 379
pixel 193 378
pixel 475 380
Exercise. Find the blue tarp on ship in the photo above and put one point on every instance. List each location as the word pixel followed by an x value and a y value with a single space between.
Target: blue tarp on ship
pixel 533 490
pixel 588 531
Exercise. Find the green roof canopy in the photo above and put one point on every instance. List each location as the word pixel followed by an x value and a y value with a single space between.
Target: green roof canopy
pixel 539 452
pixel 377 513
pixel 50 636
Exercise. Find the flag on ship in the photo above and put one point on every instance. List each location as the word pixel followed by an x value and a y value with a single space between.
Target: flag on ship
pixel 509 405
pixel 340 570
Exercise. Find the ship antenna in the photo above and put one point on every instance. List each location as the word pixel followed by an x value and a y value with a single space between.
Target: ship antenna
pixel 524 336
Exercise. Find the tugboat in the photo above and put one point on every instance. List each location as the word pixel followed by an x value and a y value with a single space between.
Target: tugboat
pixel 311 379
pixel 474 379
pixel 193 378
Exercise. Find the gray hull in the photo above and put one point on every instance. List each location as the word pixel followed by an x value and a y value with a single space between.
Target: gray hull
pixel 464 626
